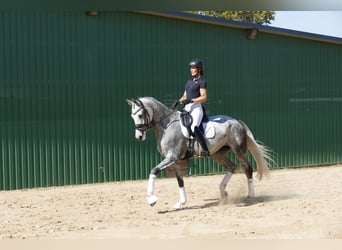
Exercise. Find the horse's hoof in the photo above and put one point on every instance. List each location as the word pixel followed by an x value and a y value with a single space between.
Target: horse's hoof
pixel 224 195
pixel 223 201
pixel 178 206
pixel 224 198
pixel 251 195
pixel 152 200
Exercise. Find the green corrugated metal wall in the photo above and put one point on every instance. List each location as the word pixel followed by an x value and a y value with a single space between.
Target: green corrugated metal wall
pixel 64 78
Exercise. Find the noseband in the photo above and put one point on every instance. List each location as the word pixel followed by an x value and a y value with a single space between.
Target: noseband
pixel 143 127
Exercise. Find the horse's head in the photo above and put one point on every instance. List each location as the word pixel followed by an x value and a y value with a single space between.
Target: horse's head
pixel 142 117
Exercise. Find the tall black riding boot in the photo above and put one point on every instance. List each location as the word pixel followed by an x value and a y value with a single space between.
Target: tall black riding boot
pixel 200 138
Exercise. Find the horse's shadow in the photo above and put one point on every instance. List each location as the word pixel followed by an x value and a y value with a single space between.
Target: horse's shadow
pixel 245 201
pixel 239 202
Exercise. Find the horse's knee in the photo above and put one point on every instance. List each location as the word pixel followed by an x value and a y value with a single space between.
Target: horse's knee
pixel 232 168
pixel 155 171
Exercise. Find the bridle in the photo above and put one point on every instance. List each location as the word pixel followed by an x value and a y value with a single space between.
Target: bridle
pixel 143 127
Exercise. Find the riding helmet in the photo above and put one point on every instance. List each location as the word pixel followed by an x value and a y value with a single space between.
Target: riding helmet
pixel 197 63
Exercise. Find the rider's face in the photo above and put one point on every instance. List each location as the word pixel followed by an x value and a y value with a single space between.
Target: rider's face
pixel 194 71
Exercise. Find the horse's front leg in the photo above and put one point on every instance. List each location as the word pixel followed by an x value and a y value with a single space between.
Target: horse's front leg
pixel 182 195
pixel 151 198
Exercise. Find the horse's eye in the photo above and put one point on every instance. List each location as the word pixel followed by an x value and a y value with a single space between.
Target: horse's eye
pixel 140 116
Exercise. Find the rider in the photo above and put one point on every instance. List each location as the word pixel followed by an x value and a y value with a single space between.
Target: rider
pixel 194 95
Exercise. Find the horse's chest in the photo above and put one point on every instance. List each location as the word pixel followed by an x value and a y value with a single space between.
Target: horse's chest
pixel 162 148
pixel 168 145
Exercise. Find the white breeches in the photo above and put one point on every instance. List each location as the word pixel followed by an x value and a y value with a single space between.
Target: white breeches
pixel 196 112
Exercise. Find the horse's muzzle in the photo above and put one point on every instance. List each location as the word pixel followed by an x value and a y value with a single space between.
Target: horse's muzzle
pixel 140 135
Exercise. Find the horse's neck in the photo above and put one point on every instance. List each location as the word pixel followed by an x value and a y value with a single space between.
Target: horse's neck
pixel 163 123
pixel 160 112
pixel 162 117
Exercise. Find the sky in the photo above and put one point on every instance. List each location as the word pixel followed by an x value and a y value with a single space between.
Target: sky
pixel 327 23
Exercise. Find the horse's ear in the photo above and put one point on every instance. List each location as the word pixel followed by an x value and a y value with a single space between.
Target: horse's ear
pixel 130 101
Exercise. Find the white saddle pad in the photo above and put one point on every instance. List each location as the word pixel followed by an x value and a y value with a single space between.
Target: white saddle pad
pixel 208 127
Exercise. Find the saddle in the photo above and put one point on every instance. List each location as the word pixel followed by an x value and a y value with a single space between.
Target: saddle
pixel 206 126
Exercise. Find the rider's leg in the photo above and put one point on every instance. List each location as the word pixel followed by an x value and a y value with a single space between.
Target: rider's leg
pixel 197 115
pixel 196 112
pixel 200 138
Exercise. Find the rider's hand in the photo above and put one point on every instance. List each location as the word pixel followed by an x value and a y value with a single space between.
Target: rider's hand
pixel 187 101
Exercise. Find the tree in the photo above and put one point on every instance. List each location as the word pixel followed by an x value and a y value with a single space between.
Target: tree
pixel 259 17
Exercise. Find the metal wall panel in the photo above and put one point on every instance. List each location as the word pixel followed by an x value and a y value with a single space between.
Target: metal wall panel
pixel 64 78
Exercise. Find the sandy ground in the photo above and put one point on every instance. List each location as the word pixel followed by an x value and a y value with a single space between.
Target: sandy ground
pixel 291 204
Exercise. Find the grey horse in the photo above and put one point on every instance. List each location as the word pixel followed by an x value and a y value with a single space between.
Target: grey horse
pixel 230 135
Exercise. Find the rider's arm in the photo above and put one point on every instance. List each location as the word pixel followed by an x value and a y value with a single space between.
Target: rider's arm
pixel 183 97
pixel 203 96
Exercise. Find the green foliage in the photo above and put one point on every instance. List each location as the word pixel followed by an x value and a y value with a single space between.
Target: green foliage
pixel 259 17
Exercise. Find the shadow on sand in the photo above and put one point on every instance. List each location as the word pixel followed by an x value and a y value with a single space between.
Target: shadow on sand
pixel 239 202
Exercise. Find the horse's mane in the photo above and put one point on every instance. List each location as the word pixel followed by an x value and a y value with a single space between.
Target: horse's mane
pixel 151 101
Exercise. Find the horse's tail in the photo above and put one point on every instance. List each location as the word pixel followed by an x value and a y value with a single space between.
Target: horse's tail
pixel 261 153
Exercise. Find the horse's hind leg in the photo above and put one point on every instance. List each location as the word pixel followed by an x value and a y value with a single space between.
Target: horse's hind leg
pixel 221 158
pixel 243 158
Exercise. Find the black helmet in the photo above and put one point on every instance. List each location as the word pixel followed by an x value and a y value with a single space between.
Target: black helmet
pixel 197 63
